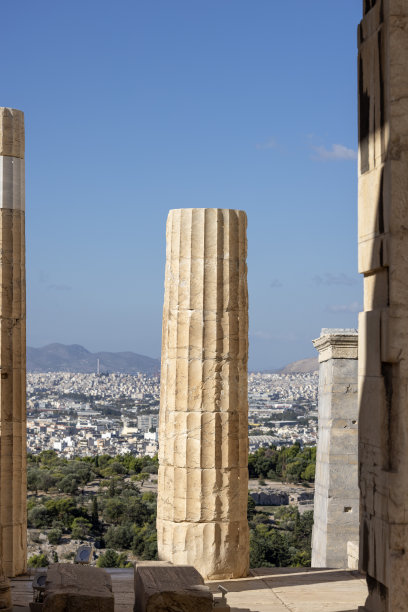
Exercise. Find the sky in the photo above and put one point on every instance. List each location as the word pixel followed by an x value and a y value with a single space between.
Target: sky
pixel 135 107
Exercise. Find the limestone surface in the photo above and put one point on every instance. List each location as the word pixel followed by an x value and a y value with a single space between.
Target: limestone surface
pixel 159 588
pixel 77 588
pixel 13 518
pixel 203 430
pixel 383 326
pixel 336 502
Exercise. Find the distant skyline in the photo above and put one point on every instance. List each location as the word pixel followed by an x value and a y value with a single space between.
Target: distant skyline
pixel 134 108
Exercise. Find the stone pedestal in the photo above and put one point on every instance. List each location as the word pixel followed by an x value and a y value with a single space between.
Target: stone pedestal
pixel 383 326
pixel 13 490
pixel 203 431
pixel 336 503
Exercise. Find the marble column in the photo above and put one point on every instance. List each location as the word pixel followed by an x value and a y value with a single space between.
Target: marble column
pixel 383 326
pixel 336 502
pixel 203 431
pixel 13 489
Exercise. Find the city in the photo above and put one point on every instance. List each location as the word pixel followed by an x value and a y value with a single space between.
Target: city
pixel 90 414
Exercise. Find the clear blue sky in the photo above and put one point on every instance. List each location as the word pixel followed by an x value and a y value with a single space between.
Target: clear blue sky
pixel 134 107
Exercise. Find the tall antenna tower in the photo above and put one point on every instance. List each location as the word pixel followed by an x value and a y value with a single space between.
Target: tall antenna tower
pixel 97 367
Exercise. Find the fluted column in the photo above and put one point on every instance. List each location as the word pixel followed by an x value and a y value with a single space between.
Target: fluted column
pixel 203 433
pixel 13 516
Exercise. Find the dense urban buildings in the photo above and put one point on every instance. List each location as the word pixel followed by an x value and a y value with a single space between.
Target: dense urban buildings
pixel 89 414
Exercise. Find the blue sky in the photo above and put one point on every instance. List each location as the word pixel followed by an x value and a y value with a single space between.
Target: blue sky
pixel 139 106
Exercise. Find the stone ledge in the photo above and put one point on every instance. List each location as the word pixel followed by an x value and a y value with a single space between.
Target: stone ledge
pixel 337 344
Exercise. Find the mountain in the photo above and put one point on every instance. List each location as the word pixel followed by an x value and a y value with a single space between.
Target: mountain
pixel 75 358
pixel 303 366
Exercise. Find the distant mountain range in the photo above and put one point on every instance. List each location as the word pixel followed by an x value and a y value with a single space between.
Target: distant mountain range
pixel 76 358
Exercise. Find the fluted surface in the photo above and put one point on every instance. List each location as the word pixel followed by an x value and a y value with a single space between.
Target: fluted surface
pixel 203 439
pixel 13 517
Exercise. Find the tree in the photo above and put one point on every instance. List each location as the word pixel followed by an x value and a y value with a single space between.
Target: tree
pixel 251 507
pixel 38 517
pixel 95 514
pixel 114 510
pixel 113 559
pixel 119 537
pixel 80 528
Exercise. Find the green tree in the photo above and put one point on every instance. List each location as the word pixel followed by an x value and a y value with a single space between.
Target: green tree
pixel 95 514
pixel 119 537
pixel 113 559
pixel 81 528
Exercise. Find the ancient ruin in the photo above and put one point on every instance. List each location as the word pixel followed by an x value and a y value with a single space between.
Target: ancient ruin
pixel 383 326
pixel 203 431
pixel 336 501
pixel 13 490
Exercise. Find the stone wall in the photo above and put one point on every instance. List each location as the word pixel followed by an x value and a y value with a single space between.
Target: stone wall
pixel 336 503
pixel 383 326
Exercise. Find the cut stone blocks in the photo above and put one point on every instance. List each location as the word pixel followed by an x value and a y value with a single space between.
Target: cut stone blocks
pixel 77 588
pixel 13 516
pixel 336 505
pixel 383 336
pixel 159 588
pixel 203 431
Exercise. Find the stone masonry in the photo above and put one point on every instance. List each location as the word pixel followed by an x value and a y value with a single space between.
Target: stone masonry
pixel 203 430
pixel 13 516
pixel 383 342
pixel 336 503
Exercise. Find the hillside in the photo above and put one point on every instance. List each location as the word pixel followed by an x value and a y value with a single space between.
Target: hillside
pixel 75 358
pixel 303 366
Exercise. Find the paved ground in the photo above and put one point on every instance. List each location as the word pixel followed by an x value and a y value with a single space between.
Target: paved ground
pixel 267 590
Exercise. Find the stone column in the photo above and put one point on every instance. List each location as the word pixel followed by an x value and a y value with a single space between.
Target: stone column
pixel 383 342
pixel 336 502
pixel 203 431
pixel 13 489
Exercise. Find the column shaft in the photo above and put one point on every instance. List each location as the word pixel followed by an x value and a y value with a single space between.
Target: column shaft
pixel 203 433
pixel 13 490
pixel 336 502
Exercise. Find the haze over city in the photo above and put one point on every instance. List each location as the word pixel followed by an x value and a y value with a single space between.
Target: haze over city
pixel 132 109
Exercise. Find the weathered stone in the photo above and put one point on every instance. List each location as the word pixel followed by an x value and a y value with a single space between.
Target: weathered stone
pixel 270 498
pixel 336 505
pixel 383 341
pixel 12 132
pixel 13 520
pixel 159 588
pixel 78 588
pixel 203 432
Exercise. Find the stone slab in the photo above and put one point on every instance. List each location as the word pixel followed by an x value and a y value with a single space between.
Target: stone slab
pixel 77 588
pixel 159 588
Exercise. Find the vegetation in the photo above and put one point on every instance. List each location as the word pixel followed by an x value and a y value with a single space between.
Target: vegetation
pixel 95 498
pixel 99 499
pixel 38 561
pixel 281 541
pixel 289 464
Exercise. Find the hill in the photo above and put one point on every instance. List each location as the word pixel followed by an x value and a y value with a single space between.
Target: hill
pixel 303 366
pixel 75 358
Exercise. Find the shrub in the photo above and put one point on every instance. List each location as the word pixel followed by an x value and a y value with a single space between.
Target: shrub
pixel 54 536
pixel 38 561
pixel 113 559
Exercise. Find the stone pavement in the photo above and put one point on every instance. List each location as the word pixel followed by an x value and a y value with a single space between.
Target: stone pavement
pixel 293 589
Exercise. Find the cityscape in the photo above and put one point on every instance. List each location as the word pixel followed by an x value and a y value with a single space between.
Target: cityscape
pixel 81 415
